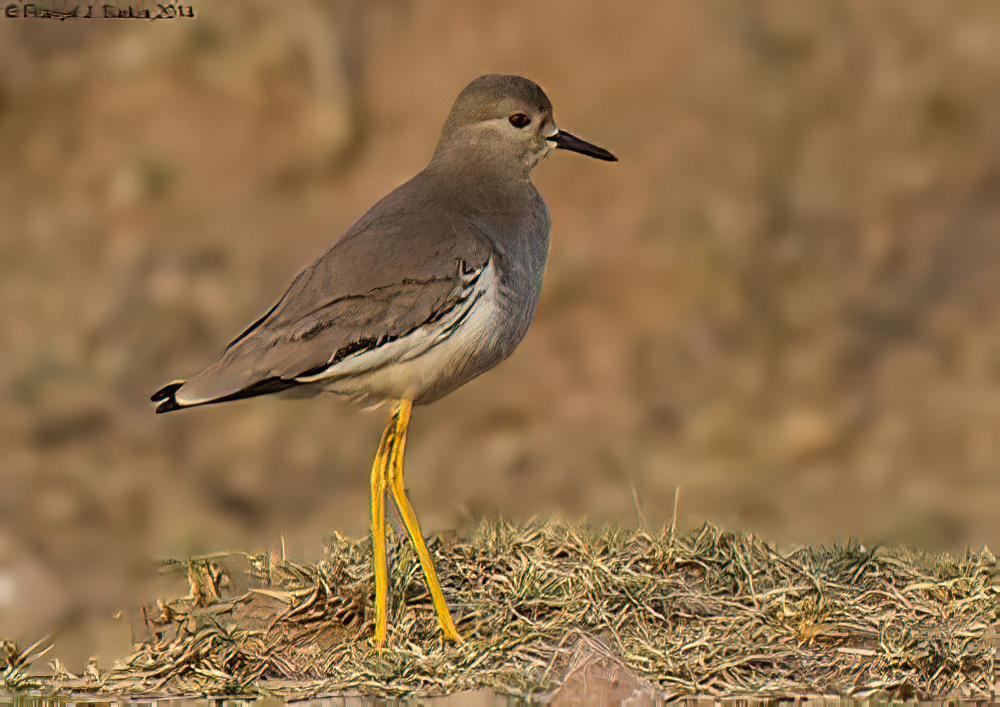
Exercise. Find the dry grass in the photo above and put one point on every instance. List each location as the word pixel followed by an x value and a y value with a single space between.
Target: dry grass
pixel 710 613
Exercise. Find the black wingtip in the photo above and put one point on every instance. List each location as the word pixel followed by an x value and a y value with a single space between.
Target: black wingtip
pixel 165 397
pixel 167 406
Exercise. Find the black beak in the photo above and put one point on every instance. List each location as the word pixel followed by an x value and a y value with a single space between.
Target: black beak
pixel 565 141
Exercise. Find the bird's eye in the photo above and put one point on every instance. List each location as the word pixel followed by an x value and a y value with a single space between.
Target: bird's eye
pixel 519 120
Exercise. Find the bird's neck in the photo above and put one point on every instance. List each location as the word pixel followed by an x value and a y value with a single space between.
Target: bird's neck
pixel 480 157
pixel 481 187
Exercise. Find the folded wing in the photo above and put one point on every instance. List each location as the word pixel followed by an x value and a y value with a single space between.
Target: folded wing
pixel 376 285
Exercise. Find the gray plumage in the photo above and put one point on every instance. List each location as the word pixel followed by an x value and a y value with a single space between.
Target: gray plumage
pixel 435 284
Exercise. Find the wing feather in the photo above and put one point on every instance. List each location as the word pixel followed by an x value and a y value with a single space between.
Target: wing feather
pixel 406 263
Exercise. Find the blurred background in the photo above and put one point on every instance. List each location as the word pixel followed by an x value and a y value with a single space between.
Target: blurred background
pixel 782 301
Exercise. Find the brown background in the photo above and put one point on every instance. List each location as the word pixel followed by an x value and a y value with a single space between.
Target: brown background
pixel 783 300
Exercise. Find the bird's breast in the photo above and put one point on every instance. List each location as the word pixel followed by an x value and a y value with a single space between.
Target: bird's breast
pixel 489 333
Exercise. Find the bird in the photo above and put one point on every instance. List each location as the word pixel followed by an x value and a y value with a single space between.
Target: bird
pixel 436 284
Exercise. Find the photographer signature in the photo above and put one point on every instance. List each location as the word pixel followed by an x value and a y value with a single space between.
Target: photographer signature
pixel 62 11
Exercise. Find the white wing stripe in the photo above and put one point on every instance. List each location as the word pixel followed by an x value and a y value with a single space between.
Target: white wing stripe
pixel 416 342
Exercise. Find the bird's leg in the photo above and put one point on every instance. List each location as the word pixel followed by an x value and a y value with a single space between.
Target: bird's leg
pixel 401 421
pixel 380 483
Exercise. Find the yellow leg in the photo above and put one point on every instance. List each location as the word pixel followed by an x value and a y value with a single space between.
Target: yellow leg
pixel 380 481
pixel 400 421
pixel 401 416
pixel 387 474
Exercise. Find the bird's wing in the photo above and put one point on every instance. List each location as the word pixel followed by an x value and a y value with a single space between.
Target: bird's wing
pixel 392 273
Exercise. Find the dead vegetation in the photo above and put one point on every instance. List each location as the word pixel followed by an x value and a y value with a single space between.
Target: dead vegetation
pixel 710 613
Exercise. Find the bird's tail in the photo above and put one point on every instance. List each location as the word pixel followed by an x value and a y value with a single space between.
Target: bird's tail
pixel 167 400
pixel 166 397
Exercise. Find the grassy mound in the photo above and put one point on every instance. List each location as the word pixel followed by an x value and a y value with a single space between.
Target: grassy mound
pixel 711 613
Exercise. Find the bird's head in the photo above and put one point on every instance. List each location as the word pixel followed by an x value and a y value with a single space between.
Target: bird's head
pixel 507 120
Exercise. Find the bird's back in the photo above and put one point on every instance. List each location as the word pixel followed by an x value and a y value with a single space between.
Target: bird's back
pixel 431 254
